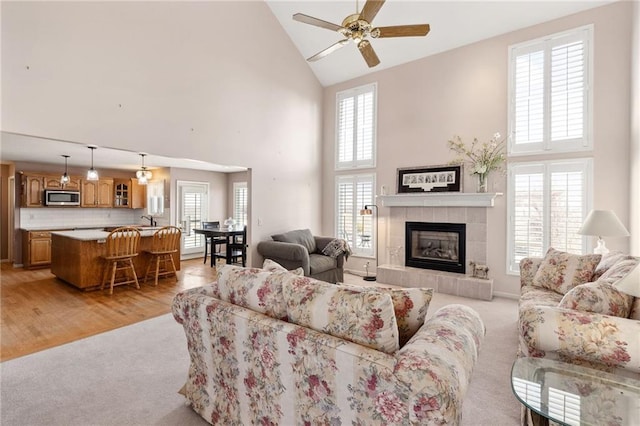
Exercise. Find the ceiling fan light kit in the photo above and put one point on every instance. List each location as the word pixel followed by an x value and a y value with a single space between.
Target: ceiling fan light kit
pixel 357 27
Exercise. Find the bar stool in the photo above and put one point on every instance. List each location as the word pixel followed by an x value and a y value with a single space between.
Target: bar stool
pixel 122 247
pixel 166 242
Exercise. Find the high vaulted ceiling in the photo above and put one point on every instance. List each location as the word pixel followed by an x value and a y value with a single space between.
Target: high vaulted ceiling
pixel 453 24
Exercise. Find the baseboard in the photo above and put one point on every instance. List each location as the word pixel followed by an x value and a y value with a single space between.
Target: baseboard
pixel 506 295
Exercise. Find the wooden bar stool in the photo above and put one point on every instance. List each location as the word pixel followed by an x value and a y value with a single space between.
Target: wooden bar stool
pixel 122 247
pixel 166 242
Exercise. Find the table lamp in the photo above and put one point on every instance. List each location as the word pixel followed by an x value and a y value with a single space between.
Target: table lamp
pixel 630 283
pixel 366 212
pixel 603 223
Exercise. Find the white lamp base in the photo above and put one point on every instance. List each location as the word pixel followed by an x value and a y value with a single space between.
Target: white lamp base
pixel 601 248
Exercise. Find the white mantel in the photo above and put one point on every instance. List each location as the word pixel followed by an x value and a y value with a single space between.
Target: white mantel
pixel 439 199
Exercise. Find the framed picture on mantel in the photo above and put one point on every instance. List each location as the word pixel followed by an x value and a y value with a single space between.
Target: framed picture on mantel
pixel 446 178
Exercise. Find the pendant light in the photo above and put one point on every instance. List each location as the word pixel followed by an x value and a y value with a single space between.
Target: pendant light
pixel 92 174
pixel 64 179
pixel 143 174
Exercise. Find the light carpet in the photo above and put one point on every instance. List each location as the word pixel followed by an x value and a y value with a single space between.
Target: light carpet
pixel 130 376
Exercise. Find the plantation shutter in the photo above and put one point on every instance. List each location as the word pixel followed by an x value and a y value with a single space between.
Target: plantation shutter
pixel 240 201
pixel 353 193
pixel 355 127
pixel 192 209
pixel 548 203
pixel 549 106
pixel 528 214
pixel 566 210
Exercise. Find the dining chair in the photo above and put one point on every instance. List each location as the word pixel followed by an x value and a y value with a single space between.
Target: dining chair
pixel 238 247
pixel 212 242
pixel 121 248
pixel 166 242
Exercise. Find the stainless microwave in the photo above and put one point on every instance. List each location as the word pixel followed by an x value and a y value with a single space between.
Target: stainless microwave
pixel 61 198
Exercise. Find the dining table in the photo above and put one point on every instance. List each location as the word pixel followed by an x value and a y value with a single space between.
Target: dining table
pixel 228 232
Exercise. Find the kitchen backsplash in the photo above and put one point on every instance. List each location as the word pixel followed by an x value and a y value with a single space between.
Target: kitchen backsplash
pixel 43 218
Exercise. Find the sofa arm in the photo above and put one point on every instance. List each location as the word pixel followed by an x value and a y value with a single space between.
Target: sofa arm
pixel 601 341
pixel 289 255
pixel 437 362
pixel 528 268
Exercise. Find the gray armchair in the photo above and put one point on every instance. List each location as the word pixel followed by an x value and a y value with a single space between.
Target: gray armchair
pixel 300 248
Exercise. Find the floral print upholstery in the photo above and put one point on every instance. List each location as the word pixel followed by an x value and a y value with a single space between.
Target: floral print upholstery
pixel 571 331
pixel 250 368
pixel 409 304
pixel 600 297
pixel 561 271
pixel 366 318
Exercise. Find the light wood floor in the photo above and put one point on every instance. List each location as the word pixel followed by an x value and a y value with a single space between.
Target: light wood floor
pixel 39 311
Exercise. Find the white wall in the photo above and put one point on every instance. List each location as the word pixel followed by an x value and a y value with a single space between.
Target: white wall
pixel 463 92
pixel 634 158
pixel 214 81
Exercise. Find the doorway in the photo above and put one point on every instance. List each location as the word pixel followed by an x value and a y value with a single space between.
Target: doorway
pixel 193 208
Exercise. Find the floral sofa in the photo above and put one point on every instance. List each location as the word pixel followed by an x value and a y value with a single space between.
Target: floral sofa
pixel 570 310
pixel 279 348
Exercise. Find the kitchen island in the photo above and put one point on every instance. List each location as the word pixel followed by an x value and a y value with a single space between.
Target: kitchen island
pixel 76 256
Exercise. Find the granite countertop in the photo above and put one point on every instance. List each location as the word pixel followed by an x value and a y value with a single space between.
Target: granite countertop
pixel 95 234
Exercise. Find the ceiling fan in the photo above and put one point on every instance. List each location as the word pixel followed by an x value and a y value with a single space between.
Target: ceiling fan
pixel 357 27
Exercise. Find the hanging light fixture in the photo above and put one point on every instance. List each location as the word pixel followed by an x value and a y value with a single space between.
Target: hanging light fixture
pixel 64 179
pixel 143 174
pixel 92 174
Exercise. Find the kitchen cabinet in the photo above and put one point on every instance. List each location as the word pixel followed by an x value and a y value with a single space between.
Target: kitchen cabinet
pixel 32 187
pixel 53 182
pixel 96 193
pixel 36 249
pixel 128 193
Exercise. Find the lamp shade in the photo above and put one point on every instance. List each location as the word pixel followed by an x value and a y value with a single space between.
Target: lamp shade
pixel 630 283
pixel 603 223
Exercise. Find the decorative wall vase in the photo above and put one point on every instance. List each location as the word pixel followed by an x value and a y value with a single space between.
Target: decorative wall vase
pixel 482 182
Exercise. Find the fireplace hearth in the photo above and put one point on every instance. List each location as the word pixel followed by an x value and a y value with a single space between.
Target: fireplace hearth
pixel 433 245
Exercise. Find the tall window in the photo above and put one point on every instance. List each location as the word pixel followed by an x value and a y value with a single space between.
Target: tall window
pixel 192 210
pixel 547 203
pixel 549 113
pixel 240 200
pixel 353 193
pixel 356 125
pixel 549 86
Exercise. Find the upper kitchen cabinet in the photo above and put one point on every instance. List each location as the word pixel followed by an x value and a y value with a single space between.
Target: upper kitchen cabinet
pixel 128 193
pixel 32 187
pixel 53 182
pixel 97 193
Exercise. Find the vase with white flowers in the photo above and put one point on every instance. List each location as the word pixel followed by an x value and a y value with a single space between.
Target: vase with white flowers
pixel 482 158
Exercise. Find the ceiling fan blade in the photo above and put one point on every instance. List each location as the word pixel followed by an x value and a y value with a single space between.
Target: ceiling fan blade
pixel 401 31
pixel 368 53
pixel 306 19
pixel 328 50
pixel 370 9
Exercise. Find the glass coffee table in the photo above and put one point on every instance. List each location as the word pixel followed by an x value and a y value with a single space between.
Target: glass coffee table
pixel 573 395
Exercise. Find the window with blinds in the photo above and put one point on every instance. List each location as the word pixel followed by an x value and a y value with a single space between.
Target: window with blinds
pixel 547 204
pixel 352 194
pixel 549 82
pixel 240 201
pixel 355 127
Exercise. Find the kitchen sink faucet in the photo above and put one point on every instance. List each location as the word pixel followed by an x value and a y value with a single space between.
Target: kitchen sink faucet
pixel 152 222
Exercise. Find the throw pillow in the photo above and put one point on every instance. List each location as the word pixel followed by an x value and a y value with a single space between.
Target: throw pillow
pixel 607 261
pixel 599 297
pixel 273 266
pixel 300 236
pixel 561 271
pixel 365 318
pixel 409 304
pixel 255 289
